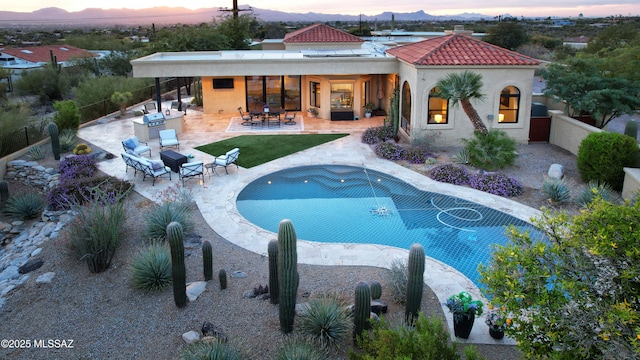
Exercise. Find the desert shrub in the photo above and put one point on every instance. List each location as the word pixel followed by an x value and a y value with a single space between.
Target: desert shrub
pixel 462 157
pixel 296 347
pixel 428 339
pixel 450 174
pixel 558 190
pixel 496 150
pixel 202 350
pixel 418 154
pixel 390 151
pixel 67 138
pixel 97 230
pixel 593 190
pixel 327 319
pixel 67 115
pixel 161 215
pixel 151 269
pixel 37 152
pixel 398 277
pixel 47 83
pixel 82 149
pixel 75 167
pixel 24 206
pixel 602 157
pixel 77 191
pixel 497 184
pixel 375 135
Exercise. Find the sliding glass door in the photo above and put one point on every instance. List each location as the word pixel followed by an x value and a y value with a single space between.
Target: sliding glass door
pixel 281 93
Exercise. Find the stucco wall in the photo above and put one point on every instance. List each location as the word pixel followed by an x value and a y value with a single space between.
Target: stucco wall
pixel 568 133
pixel 631 184
pixel 422 80
pixel 223 101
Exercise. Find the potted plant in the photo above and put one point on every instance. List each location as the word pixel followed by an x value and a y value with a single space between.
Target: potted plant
pixel 464 310
pixel 313 112
pixel 368 109
pixel 497 323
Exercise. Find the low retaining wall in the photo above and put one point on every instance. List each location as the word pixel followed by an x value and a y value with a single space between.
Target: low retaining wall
pixel 568 133
pixel 631 182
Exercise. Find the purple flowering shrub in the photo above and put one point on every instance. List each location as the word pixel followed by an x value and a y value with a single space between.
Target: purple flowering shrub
pixel 77 191
pixel 390 151
pixel 76 167
pixel 451 174
pixel 497 184
pixel 418 154
pixel 375 135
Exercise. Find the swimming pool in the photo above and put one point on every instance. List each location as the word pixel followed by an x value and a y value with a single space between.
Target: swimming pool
pixel 347 204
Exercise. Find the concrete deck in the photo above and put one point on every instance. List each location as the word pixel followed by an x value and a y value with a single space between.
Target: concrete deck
pixel 216 196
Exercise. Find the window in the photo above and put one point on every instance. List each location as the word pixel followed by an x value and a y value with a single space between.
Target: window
pixel 509 105
pixel 405 120
pixel 342 96
pixel 279 92
pixel 314 94
pixel 223 83
pixel 438 108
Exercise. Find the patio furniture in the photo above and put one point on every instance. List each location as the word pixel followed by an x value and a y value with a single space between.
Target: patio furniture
pixel 152 168
pixel 173 159
pixel 180 106
pixel 290 118
pixel 148 107
pixel 273 118
pixel 246 118
pixel 168 138
pixel 132 146
pixel 227 159
pixel 191 169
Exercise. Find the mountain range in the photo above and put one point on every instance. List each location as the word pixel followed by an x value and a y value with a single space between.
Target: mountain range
pixel 53 16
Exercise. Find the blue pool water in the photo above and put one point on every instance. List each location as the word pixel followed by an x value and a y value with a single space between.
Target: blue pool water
pixel 347 204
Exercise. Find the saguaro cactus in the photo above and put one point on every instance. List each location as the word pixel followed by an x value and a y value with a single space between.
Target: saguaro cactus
pixel 376 290
pixel 362 310
pixel 287 274
pixel 4 192
pixel 55 140
pixel 274 289
pixel 222 276
pixel 207 260
pixel 415 283
pixel 175 237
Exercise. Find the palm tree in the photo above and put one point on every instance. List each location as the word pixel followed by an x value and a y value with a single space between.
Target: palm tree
pixel 462 88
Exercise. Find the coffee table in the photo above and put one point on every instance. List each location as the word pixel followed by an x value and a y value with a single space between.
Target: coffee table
pixel 172 159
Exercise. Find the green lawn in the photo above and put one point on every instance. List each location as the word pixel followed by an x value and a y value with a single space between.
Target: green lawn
pixel 259 149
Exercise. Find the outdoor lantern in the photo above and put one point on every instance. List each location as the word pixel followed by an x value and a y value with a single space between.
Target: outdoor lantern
pixel 167 112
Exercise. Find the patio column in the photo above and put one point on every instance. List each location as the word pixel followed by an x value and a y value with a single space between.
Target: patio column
pixel 179 95
pixel 158 96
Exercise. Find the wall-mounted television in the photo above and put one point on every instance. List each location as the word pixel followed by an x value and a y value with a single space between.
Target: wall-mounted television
pixel 224 83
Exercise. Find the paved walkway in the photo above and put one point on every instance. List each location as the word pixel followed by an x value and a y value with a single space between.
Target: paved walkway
pixel 216 196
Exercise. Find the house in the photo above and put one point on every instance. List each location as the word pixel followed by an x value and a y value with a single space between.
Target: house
pixel 37 56
pixel 337 73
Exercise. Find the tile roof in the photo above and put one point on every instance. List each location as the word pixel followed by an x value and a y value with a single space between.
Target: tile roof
pixel 38 54
pixel 458 50
pixel 320 33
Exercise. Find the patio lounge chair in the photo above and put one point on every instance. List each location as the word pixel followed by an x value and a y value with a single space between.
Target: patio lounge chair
pixel 151 168
pixel 246 118
pixel 168 138
pixel 132 146
pixel 192 169
pixel 290 118
pixel 227 159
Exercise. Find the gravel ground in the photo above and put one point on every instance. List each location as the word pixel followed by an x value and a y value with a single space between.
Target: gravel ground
pixel 107 319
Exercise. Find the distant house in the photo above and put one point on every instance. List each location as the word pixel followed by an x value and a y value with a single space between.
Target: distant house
pixel 37 56
pixel 338 73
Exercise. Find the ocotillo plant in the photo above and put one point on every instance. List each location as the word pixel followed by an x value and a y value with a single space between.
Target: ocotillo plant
pixel 376 290
pixel 175 237
pixel 362 310
pixel 4 192
pixel 415 283
pixel 287 274
pixel 222 276
pixel 55 140
pixel 207 260
pixel 274 289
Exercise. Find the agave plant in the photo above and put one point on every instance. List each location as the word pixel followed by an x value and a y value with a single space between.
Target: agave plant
pixel 593 190
pixel 558 190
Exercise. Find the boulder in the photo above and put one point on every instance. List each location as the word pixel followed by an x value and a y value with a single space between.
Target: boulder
pixel 195 288
pixel 29 266
pixel 379 306
pixel 190 337
pixel 45 278
pixel 556 171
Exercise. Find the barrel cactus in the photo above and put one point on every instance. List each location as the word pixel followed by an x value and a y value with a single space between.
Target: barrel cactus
pixel 415 283
pixel 4 192
pixel 175 237
pixel 274 290
pixel 362 309
pixel 376 290
pixel 207 260
pixel 222 276
pixel 287 274
pixel 55 140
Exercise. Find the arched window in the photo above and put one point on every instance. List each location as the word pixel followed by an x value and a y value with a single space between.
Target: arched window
pixel 438 108
pixel 405 120
pixel 509 105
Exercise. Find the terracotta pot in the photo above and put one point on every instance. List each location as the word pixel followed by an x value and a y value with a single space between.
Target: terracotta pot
pixel 462 327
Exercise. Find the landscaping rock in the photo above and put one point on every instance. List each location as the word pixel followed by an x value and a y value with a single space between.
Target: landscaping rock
pixel 30 265
pixel 556 171
pixel 379 306
pixel 208 329
pixel 45 278
pixel 190 337
pixel 195 288
pixel 238 274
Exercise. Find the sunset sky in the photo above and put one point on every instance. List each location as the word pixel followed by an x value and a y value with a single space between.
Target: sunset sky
pixel 553 8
